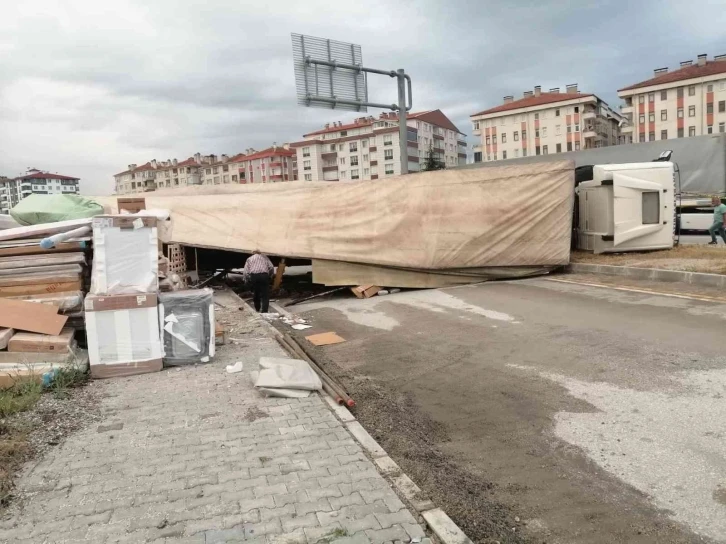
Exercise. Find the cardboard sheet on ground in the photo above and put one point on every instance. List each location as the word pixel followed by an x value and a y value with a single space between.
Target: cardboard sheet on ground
pixel 429 222
pixel 324 339
pixel 281 373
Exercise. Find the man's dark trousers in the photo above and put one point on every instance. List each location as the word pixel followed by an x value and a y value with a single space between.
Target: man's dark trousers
pixel 260 284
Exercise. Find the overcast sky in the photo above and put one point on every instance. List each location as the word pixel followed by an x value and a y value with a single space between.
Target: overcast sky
pixel 87 87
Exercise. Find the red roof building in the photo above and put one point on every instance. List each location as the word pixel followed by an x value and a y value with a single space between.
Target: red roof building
pixel 543 123
pixel 688 101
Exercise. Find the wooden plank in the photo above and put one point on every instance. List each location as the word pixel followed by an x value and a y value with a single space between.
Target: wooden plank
pixel 324 339
pixel 35 249
pixel 10 360
pixel 40 288
pixel 28 316
pixel 5 336
pixel 60 269
pixel 21 261
pixel 131 205
pixel 36 343
pixel 365 291
pixel 278 275
pixel 10 281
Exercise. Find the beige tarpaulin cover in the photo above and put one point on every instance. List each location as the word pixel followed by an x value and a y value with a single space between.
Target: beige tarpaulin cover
pixel 443 221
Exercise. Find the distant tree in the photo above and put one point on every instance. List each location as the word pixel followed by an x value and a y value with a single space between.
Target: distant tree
pixel 432 163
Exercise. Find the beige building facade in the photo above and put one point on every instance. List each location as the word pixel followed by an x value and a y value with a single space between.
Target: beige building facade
pixel 689 101
pixel 542 123
pixel 368 148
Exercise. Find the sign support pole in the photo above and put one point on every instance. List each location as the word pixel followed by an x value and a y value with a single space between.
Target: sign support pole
pixel 402 125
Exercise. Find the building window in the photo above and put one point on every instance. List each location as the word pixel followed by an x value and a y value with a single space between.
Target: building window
pixel 558 148
pixel 544 131
pixel 477 156
pixel 524 135
pixel 504 138
pixel 577 128
pixel 225 179
pixel 495 156
pixel 709 129
pixel 489 157
pixel 366 172
pixel 306 151
pixel 353 147
pixel 343 174
pixel 354 174
pixel 709 107
pixel 306 165
pixel 387 139
pixel 663 134
pixel 354 161
pixel 504 154
pixel 651 117
pixel 536 133
pixel 494 138
pixel 577 109
pixel 516 153
pixel 722 127
pixel 651 136
pixel 691 131
pixel 641 119
pixel 340 147
pixel 537 150
pixel 558 130
pixel 664 95
pixel 641 99
pixel 692 90
pixel 709 88
pixel 308 177
pixel 651 97
pixel 216 180
pixel 388 154
pixel 569 146
pixel 679 113
pixel 536 116
pixel 722 106
pixel 679 92
pixel 524 152
pixel 332 147
pixel 569 129
pixel 691 111
pixel 208 171
pixel 489 140
pixel 557 113
pixel 342 160
pixel 663 115
pixel 389 168
pixel 365 158
pixel 680 133
pixel 641 138
pixel 577 146
pixel 364 143
pixel 476 125
pixel 234 177
pixel 516 136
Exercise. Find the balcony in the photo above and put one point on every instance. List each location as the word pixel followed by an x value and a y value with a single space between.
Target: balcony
pixel 589 132
pixel 627 129
pixel 461 143
pixel 625 108
pixel 438 137
pixel 373 148
pixel 439 150
pixel 591 114
pixel 412 144
pixel 330 156
pixel 330 168
pixel 374 163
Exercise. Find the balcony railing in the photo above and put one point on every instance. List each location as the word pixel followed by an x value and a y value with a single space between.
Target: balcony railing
pixel 589 114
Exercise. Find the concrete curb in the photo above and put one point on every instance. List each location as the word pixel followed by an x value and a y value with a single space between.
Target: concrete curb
pixel 437 520
pixel 654 274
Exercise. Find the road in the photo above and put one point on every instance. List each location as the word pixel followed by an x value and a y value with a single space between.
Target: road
pixel 588 414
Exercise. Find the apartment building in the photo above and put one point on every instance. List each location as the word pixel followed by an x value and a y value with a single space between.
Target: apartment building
pixel 689 101
pixel 274 164
pixel 35 181
pixel 368 148
pixel 542 123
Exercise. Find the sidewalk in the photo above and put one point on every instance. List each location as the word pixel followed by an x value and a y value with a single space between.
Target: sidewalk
pixel 197 455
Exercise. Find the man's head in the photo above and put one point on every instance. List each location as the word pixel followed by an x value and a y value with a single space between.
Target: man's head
pixel 715 200
pixel 256 252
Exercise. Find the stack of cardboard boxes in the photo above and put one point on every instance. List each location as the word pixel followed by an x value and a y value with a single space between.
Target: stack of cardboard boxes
pixel 122 323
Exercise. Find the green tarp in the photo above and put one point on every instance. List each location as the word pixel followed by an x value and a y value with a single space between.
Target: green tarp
pixel 36 209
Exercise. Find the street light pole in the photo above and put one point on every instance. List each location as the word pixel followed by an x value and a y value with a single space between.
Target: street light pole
pixel 402 126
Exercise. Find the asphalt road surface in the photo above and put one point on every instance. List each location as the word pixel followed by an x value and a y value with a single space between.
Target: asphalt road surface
pixel 598 415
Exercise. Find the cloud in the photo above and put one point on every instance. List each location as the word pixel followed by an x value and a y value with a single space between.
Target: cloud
pixel 89 87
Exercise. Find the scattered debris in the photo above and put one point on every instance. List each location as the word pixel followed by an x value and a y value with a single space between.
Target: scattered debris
pixel 324 339
pixel 365 291
pixel 235 368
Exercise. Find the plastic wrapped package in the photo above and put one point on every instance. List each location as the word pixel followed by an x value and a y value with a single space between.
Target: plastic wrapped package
pixel 186 319
pixel 36 209
pixel 123 335
pixel 125 257
pixel 71 301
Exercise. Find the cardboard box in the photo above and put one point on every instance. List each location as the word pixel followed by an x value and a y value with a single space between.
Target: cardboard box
pixel 125 255
pixel 42 343
pixel 186 319
pixel 123 335
pixel 365 291
pixel 131 205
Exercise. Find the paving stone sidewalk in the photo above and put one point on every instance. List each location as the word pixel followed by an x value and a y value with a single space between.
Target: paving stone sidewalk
pixel 196 455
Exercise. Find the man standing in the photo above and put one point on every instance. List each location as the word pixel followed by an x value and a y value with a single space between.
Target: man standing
pixel 719 221
pixel 257 273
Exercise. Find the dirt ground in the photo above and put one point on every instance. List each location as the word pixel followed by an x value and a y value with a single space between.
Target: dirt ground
pixel 696 258
pixel 451 398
